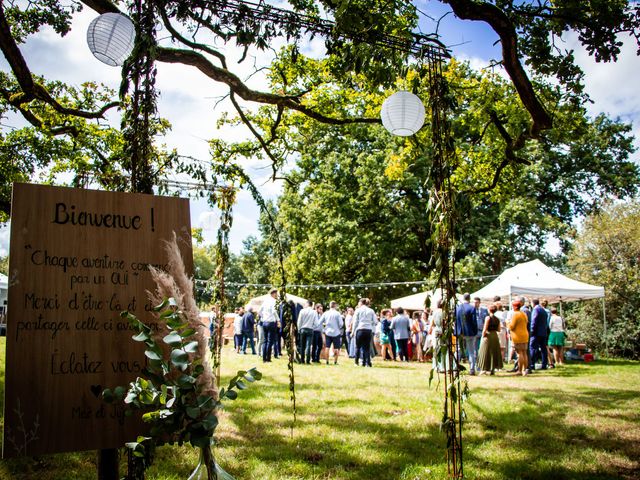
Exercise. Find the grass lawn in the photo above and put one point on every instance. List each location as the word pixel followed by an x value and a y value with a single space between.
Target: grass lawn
pixel 577 422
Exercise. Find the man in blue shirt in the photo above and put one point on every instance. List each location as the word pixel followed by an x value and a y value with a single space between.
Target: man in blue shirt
pixel 538 335
pixel 332 322
pixel 467 328
pixel 401 326
pixel 248 325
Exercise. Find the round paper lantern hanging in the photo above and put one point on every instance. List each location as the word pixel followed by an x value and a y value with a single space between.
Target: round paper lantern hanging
pixel 402 114
pixel 110 37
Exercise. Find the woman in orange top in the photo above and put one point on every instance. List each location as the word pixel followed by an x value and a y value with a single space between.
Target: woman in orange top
pixel 520 337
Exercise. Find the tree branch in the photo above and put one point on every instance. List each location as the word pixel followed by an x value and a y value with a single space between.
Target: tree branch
pixel 13 55
pixel 500 23
pixel 512 146
pixel 237 86
pixel 247 122
pixel 101 6
pixel 32 90
pixel 195 45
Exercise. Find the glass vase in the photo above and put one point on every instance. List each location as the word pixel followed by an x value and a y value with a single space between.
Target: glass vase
pixel 201 473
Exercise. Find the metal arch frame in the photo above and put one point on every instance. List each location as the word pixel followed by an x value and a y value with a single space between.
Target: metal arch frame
pixel 418 45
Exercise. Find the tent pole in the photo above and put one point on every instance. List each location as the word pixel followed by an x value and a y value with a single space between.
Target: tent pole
pixel 604 317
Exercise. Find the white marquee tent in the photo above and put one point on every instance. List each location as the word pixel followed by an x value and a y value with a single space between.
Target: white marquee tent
pixel 535 279
pixel 4 288
pixel 416 301
pixel 256 302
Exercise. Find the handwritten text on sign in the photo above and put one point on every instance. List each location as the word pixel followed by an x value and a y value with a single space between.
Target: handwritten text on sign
pixel 78 259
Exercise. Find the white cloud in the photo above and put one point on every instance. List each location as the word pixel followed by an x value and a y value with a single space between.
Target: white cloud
pixel 478 63
pixel 611 86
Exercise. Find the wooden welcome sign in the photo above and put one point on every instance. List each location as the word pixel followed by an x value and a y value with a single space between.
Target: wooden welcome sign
pixel 78 259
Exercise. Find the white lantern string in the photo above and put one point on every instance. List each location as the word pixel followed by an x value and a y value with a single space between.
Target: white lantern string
pixel 416 284
pixel 402 114
pixel 110 38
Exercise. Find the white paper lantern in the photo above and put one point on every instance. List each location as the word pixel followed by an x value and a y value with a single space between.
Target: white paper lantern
pixel 110 37
pixel 402 114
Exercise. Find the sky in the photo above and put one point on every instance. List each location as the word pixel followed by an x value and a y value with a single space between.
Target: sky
pixel 191 102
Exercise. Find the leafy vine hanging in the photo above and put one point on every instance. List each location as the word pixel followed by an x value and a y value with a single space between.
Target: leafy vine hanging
pixel 224 201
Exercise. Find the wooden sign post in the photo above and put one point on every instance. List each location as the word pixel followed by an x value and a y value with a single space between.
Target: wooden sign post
pixel 78 259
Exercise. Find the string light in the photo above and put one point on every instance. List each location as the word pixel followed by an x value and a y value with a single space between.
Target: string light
pixel 352 286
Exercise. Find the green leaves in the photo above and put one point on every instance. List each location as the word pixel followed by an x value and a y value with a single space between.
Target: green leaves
pixel 191 347
pixel 174 339
pixel 152 354
pixel 607 253
pixel 253 375
pixel 141 337
pixel 180 358
pixel 230 394
pixel 138 446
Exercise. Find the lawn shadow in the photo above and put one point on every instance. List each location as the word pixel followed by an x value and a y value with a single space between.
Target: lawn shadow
pixel 398 447
pixel 544 431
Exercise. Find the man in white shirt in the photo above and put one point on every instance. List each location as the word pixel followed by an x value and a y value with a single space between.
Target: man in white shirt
pixel 333 323
pixel 237 329
pixel 351 338
pixel 363 324
pixel 307 320
pixel 269 318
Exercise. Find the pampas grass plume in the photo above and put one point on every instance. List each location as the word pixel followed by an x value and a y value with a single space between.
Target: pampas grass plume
pixel 175 283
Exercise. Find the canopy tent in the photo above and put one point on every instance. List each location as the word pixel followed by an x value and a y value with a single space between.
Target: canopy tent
pixel 417 300
pixel 257 302
pixel 535 279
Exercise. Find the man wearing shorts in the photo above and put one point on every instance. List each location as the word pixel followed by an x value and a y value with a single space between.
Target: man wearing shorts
pixel 333 323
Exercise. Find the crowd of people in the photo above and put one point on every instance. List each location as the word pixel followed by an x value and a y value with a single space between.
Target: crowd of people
pixel 487 337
